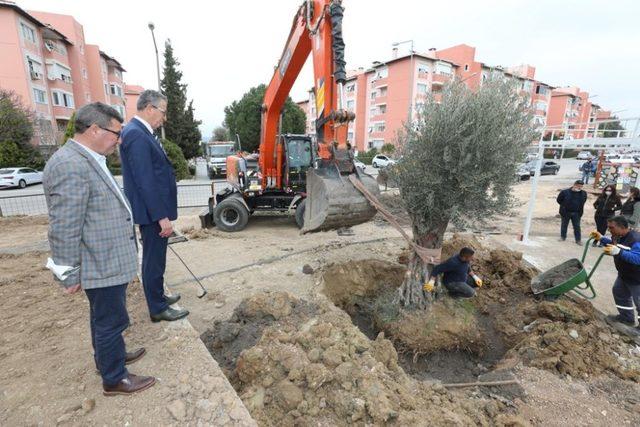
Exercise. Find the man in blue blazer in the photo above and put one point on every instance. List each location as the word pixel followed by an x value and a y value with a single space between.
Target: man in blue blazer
pixel 150 186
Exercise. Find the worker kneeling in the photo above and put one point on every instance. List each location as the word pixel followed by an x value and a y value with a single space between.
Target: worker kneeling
pixel 624 247
pixel 458 278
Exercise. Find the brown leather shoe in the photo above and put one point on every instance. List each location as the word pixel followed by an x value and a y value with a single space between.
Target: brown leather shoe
pixel 134 356
pixel 129 385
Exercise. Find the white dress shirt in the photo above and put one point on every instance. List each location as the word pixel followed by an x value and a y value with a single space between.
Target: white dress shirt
pixel 144 122
pixel 102 161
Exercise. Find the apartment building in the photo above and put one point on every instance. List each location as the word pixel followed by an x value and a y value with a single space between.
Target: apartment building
pixel 386 95
pixel 46 61
pixel 131 94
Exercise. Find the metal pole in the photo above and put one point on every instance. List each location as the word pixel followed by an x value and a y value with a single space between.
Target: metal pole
pixel 152 27
pixel 534 190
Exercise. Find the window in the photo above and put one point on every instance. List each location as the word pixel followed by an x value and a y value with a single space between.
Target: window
pixel 527 85
pixel 382 73
pixel 62 99
pixel 106 89
pixel 373 94
pixel 382 91
pixel 541 105
pixel 382 108
pixel 87 97
pixel 422 88
pixel 379 127
pixel 35 68
pixel 542 90
pixel 350 105
pixel 119 109
pixel 443 68
pixel 28 33
pixel 115 90
pixel 350 87
pixel 350 136
pixel 485 75
pixel 373 111
pixel 466 67
pixel 423 69
pixel 57 71
pixel 84 73
pixel 40 96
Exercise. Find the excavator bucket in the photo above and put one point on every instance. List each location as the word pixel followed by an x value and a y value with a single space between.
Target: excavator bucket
pixel 333 202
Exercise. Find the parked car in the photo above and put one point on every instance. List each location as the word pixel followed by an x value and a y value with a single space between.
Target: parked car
pixel 19 177
pixel 548 168
pixel 584 155
pixel 522 173
pixel 380 161
pixel 359 164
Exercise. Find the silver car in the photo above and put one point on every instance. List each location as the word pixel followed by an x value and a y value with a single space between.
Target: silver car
pixel 19 177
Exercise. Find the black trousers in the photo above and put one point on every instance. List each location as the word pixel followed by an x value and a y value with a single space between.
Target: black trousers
pixel 462 289
pixel 574 217
pixel 625 295
pixel 601 224
pixel 108 319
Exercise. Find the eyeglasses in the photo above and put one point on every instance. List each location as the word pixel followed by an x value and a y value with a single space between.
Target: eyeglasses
pixel 116 133
pixel 160 109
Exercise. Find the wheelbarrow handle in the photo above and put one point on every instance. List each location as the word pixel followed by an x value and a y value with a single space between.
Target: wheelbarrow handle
pixel 595 265
pixel 586 248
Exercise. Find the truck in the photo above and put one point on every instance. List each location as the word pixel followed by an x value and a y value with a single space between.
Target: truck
pixel 216 154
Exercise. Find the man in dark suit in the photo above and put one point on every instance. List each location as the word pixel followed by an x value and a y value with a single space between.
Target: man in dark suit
pixel 150 186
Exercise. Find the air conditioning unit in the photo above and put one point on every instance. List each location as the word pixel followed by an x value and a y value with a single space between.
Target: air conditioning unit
pixel 35 75
pixel 49 45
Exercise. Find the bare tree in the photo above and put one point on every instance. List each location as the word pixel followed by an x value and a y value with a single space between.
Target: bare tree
pixel 458 164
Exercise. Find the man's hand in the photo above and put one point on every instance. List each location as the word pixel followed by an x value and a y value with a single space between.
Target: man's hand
pixel 478 280
pixel 596 235
pixel 429 286
pixel 612 250
pixel 72 289
pixel 166 228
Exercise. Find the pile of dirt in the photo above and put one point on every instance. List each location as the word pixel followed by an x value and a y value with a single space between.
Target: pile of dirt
pixel 301 363
pixel 505 322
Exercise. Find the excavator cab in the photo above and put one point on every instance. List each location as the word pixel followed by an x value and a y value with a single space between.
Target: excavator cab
pixel 300 157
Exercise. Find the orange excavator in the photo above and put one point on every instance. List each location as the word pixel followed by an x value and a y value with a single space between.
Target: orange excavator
pixel 296 172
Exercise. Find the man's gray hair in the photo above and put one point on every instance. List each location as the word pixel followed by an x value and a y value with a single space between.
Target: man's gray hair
pixel 150 97
pixel 95 113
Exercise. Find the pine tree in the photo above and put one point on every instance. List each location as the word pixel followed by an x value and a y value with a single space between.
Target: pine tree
pixel 181 127
pixel 71 127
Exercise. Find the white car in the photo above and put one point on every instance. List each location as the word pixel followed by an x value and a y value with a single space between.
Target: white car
pixel 19 177
pixel 380 161
pixel 584 155
pixel 359 164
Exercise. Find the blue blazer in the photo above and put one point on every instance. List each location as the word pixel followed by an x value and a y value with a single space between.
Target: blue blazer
pixel 149 179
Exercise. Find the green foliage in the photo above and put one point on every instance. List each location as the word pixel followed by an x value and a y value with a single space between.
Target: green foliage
pixel 181 125
pixel 16 131
pixel 71 128
pixel 460 155
pixel 243 117
pixel 388 149
pixel 174 153
pixel 220 133
pixel 367 156
pixel 114 164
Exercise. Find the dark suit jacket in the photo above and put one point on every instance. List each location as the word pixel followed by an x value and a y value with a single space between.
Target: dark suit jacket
pixel 149 180
pixel 571 201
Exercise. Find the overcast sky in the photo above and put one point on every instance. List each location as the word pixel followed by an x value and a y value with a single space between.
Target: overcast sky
pixel 226 47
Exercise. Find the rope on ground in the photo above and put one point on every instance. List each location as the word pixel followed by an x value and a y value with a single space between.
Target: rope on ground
pixel 430 256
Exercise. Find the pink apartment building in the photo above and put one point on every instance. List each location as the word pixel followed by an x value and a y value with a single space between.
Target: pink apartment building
pixel 46 61
pixel 131 94
pixel 386 95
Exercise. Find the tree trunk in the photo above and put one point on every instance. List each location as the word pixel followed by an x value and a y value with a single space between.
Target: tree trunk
pixel 410 293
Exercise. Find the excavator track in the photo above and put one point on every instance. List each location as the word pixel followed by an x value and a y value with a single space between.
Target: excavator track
pixel 333 202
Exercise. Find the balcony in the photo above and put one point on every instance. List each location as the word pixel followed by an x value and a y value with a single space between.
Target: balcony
pixel 440 79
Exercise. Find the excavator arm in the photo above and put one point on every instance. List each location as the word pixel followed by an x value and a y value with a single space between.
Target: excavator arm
pixel 332 201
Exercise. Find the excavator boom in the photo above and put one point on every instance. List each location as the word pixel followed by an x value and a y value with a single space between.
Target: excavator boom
pixel 331 200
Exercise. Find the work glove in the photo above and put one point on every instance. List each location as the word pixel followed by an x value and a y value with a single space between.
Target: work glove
pixel 596 235
pixel 429 286
pixel 612 250
pixel 478 280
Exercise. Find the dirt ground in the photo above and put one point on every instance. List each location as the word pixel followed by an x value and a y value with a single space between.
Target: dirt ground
pixel 45 347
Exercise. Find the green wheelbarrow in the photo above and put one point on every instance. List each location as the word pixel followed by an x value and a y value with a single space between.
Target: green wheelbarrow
pixel 571 275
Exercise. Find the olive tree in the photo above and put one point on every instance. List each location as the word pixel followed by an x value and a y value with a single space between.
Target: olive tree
pixel 459 158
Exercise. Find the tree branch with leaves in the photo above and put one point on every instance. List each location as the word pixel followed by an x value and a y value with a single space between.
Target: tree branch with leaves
pixel 459 159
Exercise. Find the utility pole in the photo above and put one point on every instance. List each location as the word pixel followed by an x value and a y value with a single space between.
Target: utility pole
pixel 152 27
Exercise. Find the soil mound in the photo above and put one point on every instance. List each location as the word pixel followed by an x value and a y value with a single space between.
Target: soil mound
pixel 504 321
pixel 309 365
